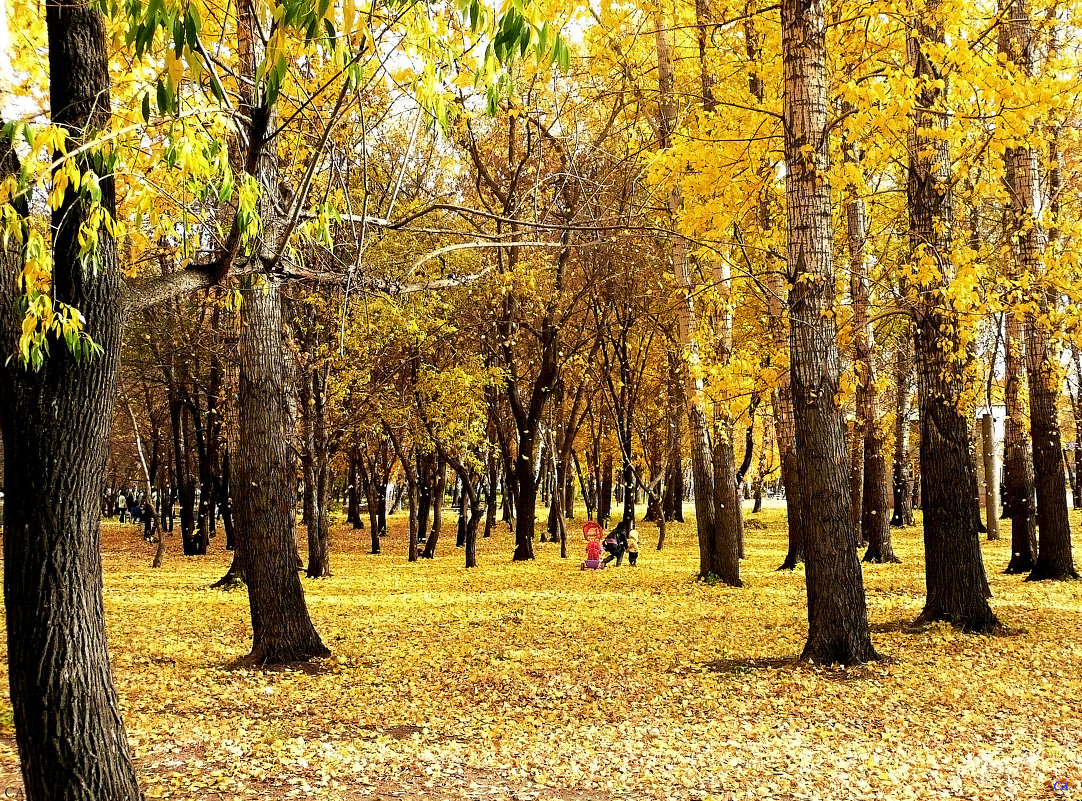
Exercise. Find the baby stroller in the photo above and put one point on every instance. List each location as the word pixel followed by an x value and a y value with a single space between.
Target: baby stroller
pixel 593 534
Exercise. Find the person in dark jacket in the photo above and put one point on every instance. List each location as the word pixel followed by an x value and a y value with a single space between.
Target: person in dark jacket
pixel 616 544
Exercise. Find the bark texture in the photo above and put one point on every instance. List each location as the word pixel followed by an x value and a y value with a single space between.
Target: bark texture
pixel 56 422
pixel 282 630
pixel 838 628
pixel 1054 559
pixel 957 589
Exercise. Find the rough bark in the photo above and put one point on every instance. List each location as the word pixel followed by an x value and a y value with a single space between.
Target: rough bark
pixel 282 630
pixel 1054 558
pixel 56 421
pixel 957 589
pixel 838 628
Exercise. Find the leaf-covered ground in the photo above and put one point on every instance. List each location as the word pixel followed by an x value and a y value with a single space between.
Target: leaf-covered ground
pixel 540 681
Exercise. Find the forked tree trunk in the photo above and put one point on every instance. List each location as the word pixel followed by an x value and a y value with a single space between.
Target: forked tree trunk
pixel 282 630
pixel 838 628
pixel 437 510
pixel 957 589
pixel 56 423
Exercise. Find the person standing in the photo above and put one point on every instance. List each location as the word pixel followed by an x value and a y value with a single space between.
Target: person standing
pixel 148 520
pixel 122 505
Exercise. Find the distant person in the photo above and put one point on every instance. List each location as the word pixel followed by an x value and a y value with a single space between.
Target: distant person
pixel 632 547
pixel 148 520
pixel 121 506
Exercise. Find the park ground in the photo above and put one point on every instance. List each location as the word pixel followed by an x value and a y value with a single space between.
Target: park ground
pixel 538 681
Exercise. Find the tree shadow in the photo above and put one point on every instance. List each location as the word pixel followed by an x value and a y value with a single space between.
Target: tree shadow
pixel 742 666
pixel 914 626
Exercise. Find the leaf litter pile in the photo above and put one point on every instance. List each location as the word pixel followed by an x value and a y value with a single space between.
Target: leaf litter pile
pixel 537 680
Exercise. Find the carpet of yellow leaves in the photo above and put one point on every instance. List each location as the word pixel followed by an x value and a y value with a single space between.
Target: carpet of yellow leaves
pixel 540 681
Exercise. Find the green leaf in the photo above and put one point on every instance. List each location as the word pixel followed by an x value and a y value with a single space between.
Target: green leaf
pixel 146 106
pixel 163 98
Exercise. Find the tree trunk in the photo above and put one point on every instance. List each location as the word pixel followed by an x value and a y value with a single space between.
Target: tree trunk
pixel 525 501
pixel 791 478
pixel 957 589
pixel 353 503
pixel 991 476
pixel 903 508
pixel 282 630
pixel 871 506
pixel 56 424
pixel 688 324
pixel 855 444
pixel 604 498
pixel 1054 559
pixel 838 628
pixel 437 510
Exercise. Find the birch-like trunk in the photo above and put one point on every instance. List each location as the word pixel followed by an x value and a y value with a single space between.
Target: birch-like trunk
pixel 688 327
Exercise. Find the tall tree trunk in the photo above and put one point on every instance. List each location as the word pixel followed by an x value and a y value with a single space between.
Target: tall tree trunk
pixel 855 444
pixel 604 498
pixel 371 486
pixel 687 315
pixel 1054 559
pixel 353 504
pixel 673 506
pixel 873 509
pixel 282 630
pixel 56 423
pixel 954 570
pixel 525 498
pixel 838 628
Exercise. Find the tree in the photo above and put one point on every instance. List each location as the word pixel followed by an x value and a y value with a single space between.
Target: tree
pixel 838 628
pixel 1054 559
pixel 957 589
pixel 56 421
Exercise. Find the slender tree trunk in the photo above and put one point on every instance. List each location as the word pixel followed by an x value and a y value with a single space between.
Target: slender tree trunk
pixel 903 508
pixel 991 476
pixel 56 423
pixel 838 628
pixel 352 494
pixel 855 444
pixel 872 510
pixel 687 314
pixel 954 570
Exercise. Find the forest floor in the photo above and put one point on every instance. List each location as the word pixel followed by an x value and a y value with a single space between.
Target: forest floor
pixel 539 681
